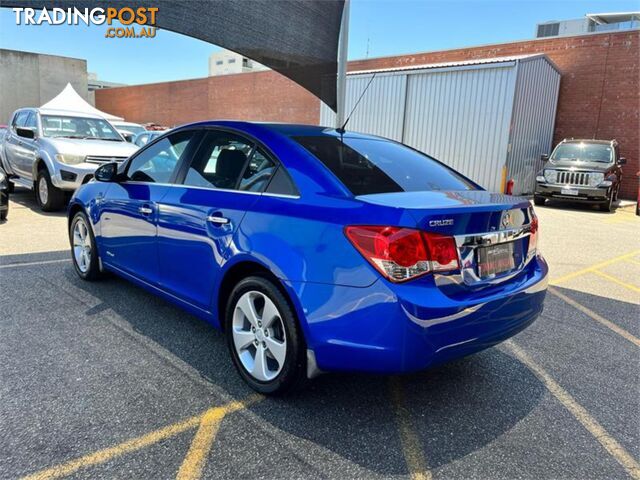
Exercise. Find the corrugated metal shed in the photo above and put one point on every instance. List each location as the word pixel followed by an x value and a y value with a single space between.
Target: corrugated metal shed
pixel 486 118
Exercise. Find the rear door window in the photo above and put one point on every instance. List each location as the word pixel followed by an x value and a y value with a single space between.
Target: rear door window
pixel 258 172
pixel 368 166
pixel 219 162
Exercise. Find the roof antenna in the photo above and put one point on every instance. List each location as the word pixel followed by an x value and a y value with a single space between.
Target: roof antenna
pixel 341 130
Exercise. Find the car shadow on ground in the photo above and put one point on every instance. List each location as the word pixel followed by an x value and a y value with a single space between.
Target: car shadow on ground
pixel 26 198
pixel 454 409
pixel 579 206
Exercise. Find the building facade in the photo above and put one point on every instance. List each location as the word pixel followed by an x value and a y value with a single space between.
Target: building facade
pixel 32 79
pixel 590 23
pixel 226 62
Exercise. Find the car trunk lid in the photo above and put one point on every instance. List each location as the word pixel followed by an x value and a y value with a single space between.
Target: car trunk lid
pixel 493 232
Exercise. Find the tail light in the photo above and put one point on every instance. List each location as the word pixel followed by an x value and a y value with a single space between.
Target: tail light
pixel 401 254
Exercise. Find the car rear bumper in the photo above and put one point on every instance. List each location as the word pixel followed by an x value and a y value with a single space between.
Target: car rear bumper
pixel 585 194
pixel 393 328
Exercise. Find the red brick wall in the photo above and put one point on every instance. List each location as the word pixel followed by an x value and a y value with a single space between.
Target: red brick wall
pixel 260 96
pixel 599 91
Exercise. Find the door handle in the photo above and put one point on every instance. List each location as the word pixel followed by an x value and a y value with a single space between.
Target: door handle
pixel 218 220
pixel 145 210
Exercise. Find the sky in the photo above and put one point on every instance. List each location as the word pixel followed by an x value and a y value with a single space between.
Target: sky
pixel 377 28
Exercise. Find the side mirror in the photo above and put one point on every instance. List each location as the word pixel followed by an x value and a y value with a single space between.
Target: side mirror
pixel 622 161
pixel 544 157
pixel 107 172
pixel 26 132
pixel 127 136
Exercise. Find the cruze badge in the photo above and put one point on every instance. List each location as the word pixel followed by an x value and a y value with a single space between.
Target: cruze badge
pixel 506 220
pixel 441 223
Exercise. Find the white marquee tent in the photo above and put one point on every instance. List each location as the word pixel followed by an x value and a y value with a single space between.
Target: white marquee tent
pixel 68 99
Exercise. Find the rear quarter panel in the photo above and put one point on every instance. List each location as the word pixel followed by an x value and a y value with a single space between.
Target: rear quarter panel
pixel 303 240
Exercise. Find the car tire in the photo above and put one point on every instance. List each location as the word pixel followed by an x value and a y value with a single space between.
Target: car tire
pixel 10 186
pixel 48 196
pixel 538 201
pixel 269 353
pixel 84 253
pixel 4 214
pixel 608 205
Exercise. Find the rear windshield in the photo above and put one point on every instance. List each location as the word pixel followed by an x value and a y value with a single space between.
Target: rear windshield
pixel 367 166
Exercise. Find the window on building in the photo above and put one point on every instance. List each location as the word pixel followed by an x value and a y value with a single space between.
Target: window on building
pixel 548 30
pixel 219 62
pixel 231 60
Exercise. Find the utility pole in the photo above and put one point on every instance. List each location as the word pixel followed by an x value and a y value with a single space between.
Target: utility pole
pixel 341 81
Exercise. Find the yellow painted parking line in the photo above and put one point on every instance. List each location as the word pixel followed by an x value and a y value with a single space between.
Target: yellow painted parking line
pixel 102 456
pixel 590 313
pixel 411 447
pixel 634 261
pixel 129 446
pixel 194 462
pixel 616 280
pixel 610 444
pixel 592 268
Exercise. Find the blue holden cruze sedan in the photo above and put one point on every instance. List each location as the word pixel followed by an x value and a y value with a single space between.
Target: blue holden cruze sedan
pixel 313 249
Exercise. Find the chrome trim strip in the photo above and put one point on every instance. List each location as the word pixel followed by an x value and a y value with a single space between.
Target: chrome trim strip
pixel 217 220
pixel 492 238
pixel 245 192
pixel 467 245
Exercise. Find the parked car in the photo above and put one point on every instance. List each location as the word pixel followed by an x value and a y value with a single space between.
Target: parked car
pixel 4 195
pixel 141 139
pixel 581 170
pixel 53 151
pixel 3 132
pixel 314 250
pixel 128 129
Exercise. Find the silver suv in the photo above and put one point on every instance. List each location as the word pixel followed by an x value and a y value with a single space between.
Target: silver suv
pixel 53 151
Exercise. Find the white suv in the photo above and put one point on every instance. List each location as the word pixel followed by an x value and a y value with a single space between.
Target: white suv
pixel 52 151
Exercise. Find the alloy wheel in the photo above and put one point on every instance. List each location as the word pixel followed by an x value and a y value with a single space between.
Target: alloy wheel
pixel 82 245
pixel 259 336
pixel 43 190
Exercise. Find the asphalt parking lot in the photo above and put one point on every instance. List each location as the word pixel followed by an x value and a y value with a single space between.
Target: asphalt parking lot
pixel 104 380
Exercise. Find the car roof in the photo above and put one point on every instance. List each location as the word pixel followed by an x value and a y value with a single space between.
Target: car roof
pixel 286 129
pixel 66 113
pixel 588 140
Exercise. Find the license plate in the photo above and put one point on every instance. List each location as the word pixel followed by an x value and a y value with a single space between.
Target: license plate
pixel 495 259
pixel 569 191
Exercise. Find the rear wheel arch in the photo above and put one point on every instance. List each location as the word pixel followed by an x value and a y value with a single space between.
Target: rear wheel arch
pixel 236 274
